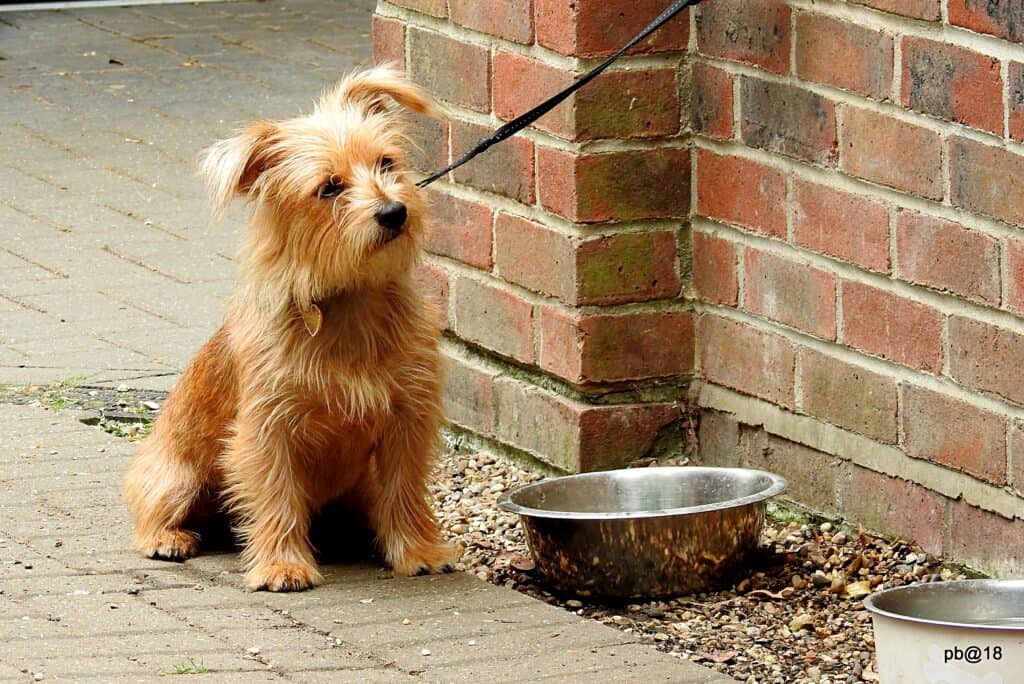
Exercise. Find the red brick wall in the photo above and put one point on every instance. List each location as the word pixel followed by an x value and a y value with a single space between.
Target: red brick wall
pixel 801 219
pixel 857 229
pixel 558 256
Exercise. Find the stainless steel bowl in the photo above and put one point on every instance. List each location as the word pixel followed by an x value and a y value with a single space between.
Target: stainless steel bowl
pixel 644 532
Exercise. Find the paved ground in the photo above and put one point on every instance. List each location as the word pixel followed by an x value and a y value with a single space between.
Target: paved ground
pixel 108 271
pixel 109 266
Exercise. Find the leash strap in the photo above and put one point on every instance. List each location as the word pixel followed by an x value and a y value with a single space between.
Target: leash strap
pixel 521 122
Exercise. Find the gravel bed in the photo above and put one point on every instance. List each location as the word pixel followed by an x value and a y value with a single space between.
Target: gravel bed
pixel 796 618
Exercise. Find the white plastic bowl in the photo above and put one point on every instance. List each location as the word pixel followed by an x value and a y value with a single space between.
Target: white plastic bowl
pixel 964 632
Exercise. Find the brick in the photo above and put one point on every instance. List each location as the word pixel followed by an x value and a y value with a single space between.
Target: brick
pixel 561 344
pixel 511 71
pixel 459 229
pixel 952 83
pixel 945 255
pixel 436 8
pixel 506 169
pixel 841 224
pixel 844 55
pixel 535 256
pixel 469 394
pixel 637 103
pixel 755 32
pixel 629 267
pixel 711 101
pixel 453 71
pixel 886 325
pixel 432 282
pixel 986 540
pixel 718 436
pixel 429 149
pixel 986 358
pixel 600 187
pixel 1002 19
pixel 613 436
pixel 494 318
pixel 788 120
pixel 1016 457
pixel 741 192
pixel 509 20
pixel 885 150
pixel 746 359
pixel 848 396
pixel 929 10
pixel 604 270
pixel 895 506
pixel 586 349
pixel 1015 102
pixel 1014 256
pixel 815 478
pixel 952 433
pixel 388 41
pixel 714 269
pixel 986 180
pixel 791 293
pixel 576 436
pixel 590 28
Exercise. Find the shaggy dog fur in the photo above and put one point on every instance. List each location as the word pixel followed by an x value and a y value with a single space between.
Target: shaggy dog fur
pixel 323 382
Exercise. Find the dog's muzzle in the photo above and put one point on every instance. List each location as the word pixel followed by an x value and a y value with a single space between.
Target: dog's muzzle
pixel 391 218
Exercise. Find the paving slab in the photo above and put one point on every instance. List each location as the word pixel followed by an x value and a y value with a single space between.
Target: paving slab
pixel 77 604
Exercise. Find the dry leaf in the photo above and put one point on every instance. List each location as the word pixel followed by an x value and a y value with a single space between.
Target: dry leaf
pixel 785 593
pixel 855 590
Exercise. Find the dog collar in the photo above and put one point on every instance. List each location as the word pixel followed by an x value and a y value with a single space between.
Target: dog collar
pixel 313 318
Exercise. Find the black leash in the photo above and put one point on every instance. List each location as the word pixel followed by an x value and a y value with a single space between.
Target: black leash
pixel 521 122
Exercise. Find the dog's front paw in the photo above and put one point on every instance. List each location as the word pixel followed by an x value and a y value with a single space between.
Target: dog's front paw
pixel 171 545
pixel 436 558
pixel 283 577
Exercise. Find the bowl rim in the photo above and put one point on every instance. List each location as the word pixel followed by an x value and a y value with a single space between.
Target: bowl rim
pixel 871 602
pixel 778 484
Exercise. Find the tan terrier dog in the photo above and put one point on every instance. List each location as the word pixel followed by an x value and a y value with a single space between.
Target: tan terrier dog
pixel 323 383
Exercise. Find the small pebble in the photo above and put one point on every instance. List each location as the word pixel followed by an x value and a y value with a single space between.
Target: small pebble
pixel 406 621
pixel 820 579
pixel 253 650
pixel 425 652
pixel 574 604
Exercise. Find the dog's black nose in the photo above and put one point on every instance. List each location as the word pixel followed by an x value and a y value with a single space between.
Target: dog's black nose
pixel 391 215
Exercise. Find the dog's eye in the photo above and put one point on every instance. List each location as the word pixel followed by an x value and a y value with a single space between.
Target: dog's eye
pixel 331 188
pixel 386 163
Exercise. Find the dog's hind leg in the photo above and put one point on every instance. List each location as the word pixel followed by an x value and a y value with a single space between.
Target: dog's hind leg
pixel 176 464
pixel 161 489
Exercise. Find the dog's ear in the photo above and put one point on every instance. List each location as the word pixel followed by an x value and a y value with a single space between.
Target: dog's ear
pixel 230 167
pixel 371 88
